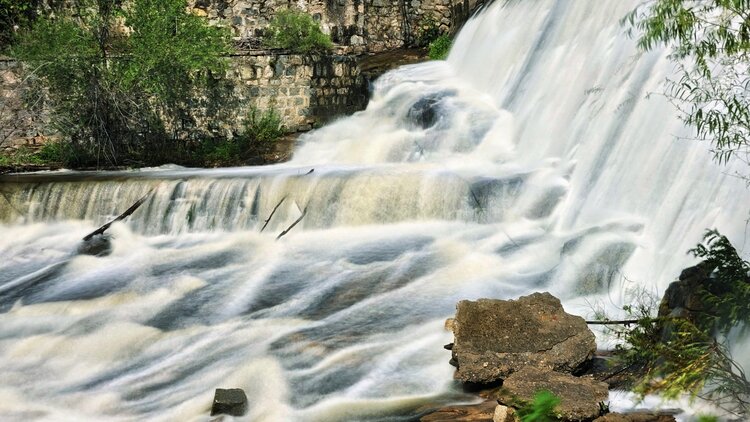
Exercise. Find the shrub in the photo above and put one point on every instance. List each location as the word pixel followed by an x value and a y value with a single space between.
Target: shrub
pixel 541 409
pixel 115 96
pixel 296 31
pixel 440 48
pixel 59 152
pixel 691 354
pixel 263 127
pixel 427 31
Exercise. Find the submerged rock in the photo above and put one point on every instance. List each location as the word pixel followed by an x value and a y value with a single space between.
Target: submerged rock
pixel 581 398
pixel 231 402
pixel 99 245
pixel 495 338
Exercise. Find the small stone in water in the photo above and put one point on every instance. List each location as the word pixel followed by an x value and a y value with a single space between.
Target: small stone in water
pixel 232 401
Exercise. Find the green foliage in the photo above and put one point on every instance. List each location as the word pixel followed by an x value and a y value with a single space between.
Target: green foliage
pixel 440 48
pixel 711 43
pixel 677 355
pixel 15 15
pixel 427 31
pixel 120 79
pixel 263 127
pixel 296 31
pixel 59 152
pixel 707 418
pixel 727 296
pixel 541 409
pixel 19 157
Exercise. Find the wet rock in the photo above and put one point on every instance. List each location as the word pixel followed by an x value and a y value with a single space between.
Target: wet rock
pixel 231 402
pixel 635 417
pixel 99 245
pixel 425 113
pixel 683 298
pixel 581 398
pixel 482 412
pixel 494 338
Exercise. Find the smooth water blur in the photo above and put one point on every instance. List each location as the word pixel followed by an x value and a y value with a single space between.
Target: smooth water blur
pixel 530 160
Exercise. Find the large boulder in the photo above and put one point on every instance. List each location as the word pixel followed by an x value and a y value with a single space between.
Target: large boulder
pixel 494 338
pixel 581 398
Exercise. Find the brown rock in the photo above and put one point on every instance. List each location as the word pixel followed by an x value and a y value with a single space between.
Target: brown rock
pixel 635 417
pixel 482 412
pixel 580 397
pixel 494 338
pixel 504 414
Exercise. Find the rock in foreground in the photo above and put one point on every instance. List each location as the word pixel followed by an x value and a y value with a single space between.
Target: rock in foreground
pixel 231 401
pixel 482 412
pixel 580 398
pixel 494 338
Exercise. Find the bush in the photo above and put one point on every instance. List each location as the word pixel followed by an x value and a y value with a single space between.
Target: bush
pixel 296 31
pixel 59 152
pixel 541 409
pixel 427 32
pixel 120 97
pixel 263 127
pixel 690 354
pixel 440 48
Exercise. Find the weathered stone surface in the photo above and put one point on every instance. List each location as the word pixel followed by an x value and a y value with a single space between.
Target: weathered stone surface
pixel 354 26
pixel 482 412
pixel 635 417
pixel 231 401
pixel 682 299
pixel 494 338
pixel 504 414
pixel 580 397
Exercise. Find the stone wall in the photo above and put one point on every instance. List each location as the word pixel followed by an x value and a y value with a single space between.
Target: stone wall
pixel 23 118
pixel 355 26
pixel 306 90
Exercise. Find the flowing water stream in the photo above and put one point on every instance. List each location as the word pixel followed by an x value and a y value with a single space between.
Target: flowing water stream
pixel 530 160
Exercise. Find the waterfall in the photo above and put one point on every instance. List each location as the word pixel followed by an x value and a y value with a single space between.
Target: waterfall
pixel 532 159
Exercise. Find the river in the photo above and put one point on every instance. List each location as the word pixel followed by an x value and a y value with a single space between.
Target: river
pixel 533 159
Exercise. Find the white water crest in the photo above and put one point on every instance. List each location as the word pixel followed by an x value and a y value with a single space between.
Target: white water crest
pixel 530 160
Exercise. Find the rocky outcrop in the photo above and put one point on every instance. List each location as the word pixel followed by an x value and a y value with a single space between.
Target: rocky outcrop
pixel 581 398
pixel 682 299
pixel 495 338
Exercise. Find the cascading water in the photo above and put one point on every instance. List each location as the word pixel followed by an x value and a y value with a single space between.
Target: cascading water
pixel 530 160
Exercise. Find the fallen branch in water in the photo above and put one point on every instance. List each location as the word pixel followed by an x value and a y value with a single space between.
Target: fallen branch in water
pixel 293 224
pixel 278 205
pixel 272 213
pixel 120 217
pixel 620 322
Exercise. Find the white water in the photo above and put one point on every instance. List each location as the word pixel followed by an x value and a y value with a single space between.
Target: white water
pixel 542 167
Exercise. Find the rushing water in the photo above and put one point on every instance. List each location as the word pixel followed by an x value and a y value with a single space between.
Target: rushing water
pixel 530 160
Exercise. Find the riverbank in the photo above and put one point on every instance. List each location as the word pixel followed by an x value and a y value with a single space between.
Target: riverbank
pixel 45 152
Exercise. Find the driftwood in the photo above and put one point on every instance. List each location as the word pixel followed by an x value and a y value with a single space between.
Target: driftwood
pixel 120 217
pixel 272 213
pixel 293 224
pixel 620 322
pixel 277 207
